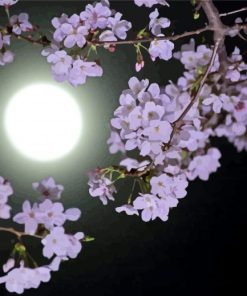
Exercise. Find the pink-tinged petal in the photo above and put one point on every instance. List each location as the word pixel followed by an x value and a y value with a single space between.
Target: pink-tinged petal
pixel 146 215
pixel 79 235
pixel 20 218
pixel 208 101
pixel 67 29
pixel 47 252
pixel 26 207
pixel 73 214
pixel 70 41
pixel 31 226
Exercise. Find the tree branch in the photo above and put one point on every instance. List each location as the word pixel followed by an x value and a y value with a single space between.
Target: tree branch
pixel 233 12
pixel 219 30
pixel 148 40
pixel 19 234
pixel 42 41
pixel 177 122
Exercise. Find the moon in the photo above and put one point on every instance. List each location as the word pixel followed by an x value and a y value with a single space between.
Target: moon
pixel 43 122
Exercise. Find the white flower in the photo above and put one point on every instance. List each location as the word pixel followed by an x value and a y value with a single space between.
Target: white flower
pixel 161 49
pixel 30 217
pixel 156 24
pixel 61 244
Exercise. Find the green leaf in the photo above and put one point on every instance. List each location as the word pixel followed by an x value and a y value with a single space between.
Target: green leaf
pixel 141 33
pixel 196 15
pixel 88 239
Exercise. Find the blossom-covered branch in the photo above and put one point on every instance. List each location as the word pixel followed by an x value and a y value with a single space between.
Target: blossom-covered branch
pixel 72 50
pixel 170 128
pixel 164 133
pixel 44 220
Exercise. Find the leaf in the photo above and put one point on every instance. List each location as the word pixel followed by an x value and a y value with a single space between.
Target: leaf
pixel 88 239
pixel 193 2
pixel 142 33
pixel 196 15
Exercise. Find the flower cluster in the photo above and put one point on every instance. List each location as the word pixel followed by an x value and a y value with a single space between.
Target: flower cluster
pixel 74 39
pixel 224 109
pixel 18 24
pixel 73 49
pixel 44 220
pixel 19 279
pixel 171 136
pixel 142 119
pixel 101 186
pixel 164 194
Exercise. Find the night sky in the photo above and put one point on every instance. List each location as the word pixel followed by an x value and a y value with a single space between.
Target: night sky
pixel 199 251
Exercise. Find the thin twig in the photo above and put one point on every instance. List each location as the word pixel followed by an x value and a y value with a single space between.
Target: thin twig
pixel 40 41
pixel 19 234
pixel 177 122
pixel 148 40
pixel 233 12
pixel 202 82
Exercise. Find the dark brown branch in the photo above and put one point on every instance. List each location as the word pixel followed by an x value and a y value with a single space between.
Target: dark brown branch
pixel 42 41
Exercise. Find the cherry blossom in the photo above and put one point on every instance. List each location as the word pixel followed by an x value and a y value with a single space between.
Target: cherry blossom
pixel 4 40
pixel 6 58
pixel 61 244
pixel 83 69
pixel 156 24
pixel 131 163
pixel 48 189
pixel 119 27
pixel 20 23
pixel 73 32
pixel 96 16
pixel 8 3
pixel 164 132
pixel 30 217
pixel 152 207
pixel 6 190
pixel 8 265
pixel 5 211
pixel 150 3
pixel 161 49
pixel 115 143
pixel 44 220
pixel 203 166
pixel 101 187
pixel 21 278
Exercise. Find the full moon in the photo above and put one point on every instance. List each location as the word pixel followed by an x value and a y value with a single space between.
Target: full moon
pixel 43 122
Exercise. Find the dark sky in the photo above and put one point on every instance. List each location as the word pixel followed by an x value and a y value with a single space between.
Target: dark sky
pixel 200 251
